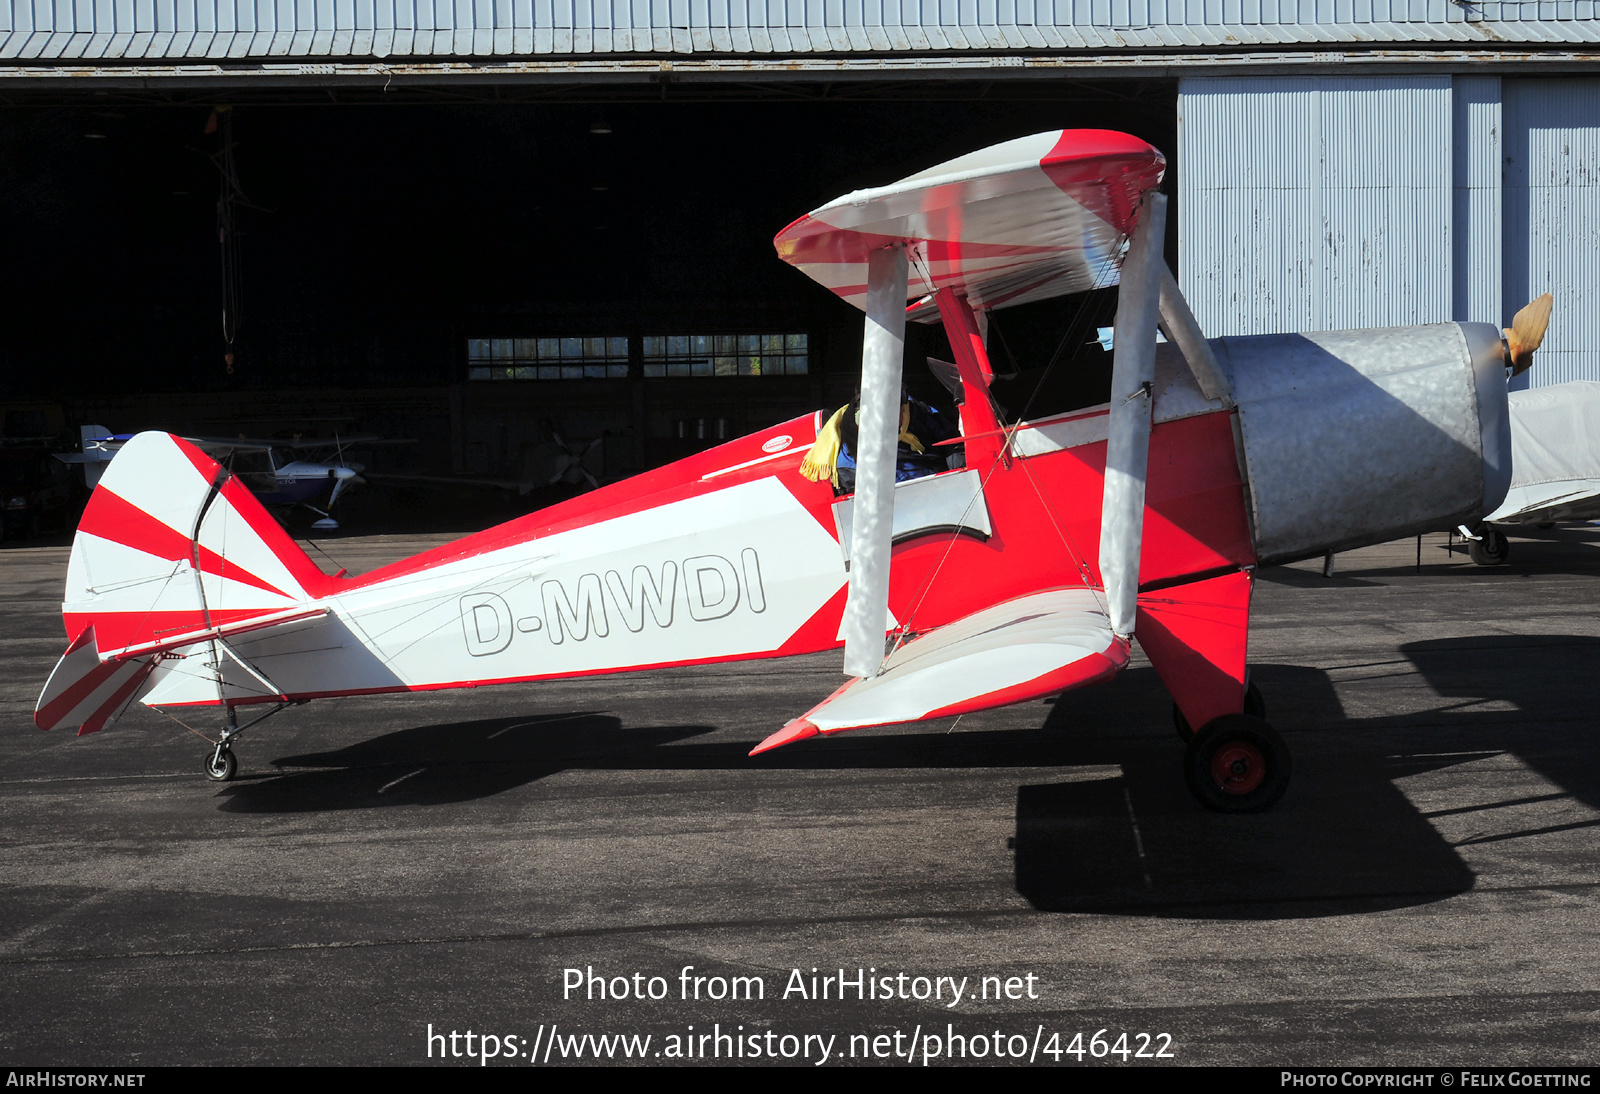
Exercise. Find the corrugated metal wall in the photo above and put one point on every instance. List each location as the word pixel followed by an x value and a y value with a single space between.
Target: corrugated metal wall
pixel 215 29
pixel 1322 203
pixel 1476 257
pixel 1552 218
pixel 1315 203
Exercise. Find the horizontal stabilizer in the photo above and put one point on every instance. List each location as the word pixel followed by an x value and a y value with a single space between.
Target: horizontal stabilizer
pixel 222 631
pixel 1023 649
pixel 87 692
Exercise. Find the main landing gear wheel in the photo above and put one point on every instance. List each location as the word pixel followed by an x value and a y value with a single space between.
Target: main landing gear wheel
pixel 1491 550
pixel 221 765
pixel 1254 705
pixel 1237 764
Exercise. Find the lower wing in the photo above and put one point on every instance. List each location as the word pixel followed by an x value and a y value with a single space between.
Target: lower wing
pixel 1022 649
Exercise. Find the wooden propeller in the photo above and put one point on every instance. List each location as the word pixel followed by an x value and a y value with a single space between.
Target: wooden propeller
pixel 1527 332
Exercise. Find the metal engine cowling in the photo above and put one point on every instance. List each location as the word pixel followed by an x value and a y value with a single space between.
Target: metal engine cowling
pixel 1356 437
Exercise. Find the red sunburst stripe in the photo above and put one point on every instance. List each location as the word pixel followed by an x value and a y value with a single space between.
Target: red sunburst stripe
pixel 97 721
pixel 84 637
pixel 113 517
pixel 202 462
pixel 825 242
pixel 248 508
pixel 58 708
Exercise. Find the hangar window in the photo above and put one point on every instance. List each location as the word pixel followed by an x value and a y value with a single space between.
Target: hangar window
pixel 670 355
pixel 547 358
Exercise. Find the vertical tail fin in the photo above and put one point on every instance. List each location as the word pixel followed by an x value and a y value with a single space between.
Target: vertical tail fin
pixel 169 543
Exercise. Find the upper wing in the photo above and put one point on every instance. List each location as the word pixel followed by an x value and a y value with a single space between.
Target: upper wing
pixel 360 440
pixel 221 447
pixel 1028 219
pixel 521 486
pixel 1032 646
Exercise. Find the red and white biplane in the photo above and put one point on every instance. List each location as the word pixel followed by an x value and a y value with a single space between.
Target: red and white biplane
pixel 1027 572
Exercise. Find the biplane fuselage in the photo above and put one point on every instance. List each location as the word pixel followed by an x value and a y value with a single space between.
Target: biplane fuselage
pixel 728 554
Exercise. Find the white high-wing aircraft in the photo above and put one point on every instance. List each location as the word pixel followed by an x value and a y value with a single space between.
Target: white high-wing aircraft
pixel 269 467
pixel 1555 465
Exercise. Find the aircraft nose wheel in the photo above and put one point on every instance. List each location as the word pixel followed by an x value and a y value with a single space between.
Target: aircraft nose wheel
pixel 221 766
pixel 1491 550
pixel 1254 705
pixel 1237 764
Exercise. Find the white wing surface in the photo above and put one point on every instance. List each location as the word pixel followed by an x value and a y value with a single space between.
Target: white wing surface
pixel 1022 649
pixel 1555 455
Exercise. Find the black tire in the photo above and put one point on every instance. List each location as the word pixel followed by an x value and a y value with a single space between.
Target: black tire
pixel 1492 550
pixel 1237 764
pixel 1254 705
pixel 221 765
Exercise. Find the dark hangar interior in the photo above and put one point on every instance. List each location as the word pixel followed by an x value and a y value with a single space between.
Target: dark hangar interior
pixel 482 272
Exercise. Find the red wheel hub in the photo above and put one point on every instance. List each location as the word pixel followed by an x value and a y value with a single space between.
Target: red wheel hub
pixel 1238 768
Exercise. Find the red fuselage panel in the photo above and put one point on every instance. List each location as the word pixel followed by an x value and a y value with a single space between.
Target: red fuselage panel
pixel 1045 512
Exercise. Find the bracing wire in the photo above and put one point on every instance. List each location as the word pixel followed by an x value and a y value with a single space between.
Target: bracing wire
pixel 309 542
pixel 185 725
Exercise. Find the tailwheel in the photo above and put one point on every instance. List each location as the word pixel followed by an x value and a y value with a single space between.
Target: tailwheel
pixel 1237 764
pixel 221 765
pixel 1254 705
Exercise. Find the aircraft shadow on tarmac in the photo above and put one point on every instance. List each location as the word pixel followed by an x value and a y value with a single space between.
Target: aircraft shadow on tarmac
pixel 452 762
pixel 1345 838
pixel 1550 678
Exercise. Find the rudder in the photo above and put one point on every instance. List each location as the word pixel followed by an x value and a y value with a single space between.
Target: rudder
pixel 170 543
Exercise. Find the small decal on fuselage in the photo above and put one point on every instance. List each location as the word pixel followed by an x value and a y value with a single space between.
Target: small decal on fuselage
pixel 706 587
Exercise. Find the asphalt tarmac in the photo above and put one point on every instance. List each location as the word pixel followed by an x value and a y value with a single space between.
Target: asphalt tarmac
pixel 1427 892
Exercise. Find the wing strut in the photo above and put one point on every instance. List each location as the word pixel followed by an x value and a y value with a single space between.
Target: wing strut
pixel 866 612
pixel 1180 326
pixel 972 362
pixel 1128 445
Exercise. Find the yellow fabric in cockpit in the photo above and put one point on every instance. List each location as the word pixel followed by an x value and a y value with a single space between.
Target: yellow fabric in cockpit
pixel 906 436
pixel 822 461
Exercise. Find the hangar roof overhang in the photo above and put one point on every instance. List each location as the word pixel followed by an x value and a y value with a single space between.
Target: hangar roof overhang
pixel 1078 75
pixel 695 46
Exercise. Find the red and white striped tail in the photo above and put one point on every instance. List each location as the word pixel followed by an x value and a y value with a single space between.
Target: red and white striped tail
pixel 169 545
pixel 88 692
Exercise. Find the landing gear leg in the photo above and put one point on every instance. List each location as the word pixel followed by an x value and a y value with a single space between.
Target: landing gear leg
pixel 221 765
pixel 1254 705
